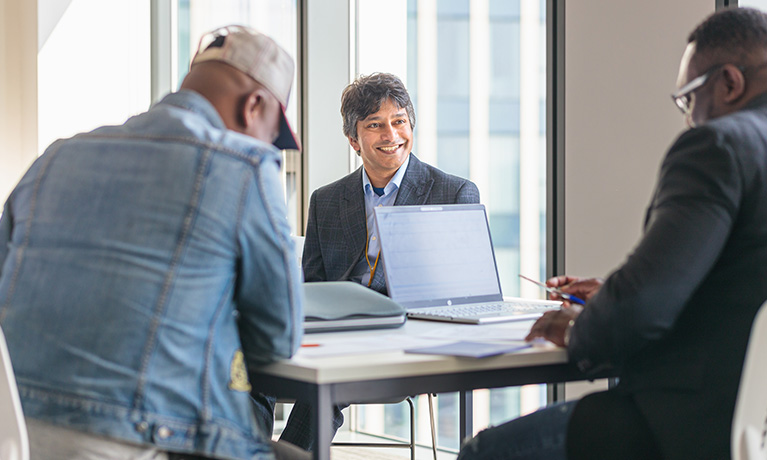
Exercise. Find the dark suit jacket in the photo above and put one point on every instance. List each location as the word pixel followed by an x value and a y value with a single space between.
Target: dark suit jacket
pixel 675 318
pixel 335 232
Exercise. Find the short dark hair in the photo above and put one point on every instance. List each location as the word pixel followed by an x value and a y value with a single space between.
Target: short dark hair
pixel 365 95
pixel 733 32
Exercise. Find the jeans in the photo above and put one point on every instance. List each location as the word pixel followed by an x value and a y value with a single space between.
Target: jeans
pixel 538 436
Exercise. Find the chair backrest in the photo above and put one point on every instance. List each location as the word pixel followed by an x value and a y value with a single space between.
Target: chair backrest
pixel 298 241
pixel 14 444
pixel 749 423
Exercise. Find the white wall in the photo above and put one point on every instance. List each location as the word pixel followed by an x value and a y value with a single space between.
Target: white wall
pixel 18 91
pixel 621 63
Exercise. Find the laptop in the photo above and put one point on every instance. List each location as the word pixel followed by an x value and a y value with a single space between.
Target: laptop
pixel 440 265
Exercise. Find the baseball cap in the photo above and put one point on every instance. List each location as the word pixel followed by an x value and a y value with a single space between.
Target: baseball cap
pixel 259 57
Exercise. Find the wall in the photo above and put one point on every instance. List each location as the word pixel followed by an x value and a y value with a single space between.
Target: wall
pixel 327 71
pixel 18 91
pixel 621 63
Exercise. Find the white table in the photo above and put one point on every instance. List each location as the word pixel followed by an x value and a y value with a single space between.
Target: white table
pixel 326 381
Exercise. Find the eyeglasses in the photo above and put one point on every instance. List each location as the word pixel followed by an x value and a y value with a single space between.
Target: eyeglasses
pixel 682 97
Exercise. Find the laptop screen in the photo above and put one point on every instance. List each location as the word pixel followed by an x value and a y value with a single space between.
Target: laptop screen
pixel 437 255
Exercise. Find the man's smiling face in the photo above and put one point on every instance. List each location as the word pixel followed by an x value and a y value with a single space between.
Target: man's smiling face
pixel 384 140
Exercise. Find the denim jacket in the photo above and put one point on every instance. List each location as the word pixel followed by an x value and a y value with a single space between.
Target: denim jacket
pixel 143 269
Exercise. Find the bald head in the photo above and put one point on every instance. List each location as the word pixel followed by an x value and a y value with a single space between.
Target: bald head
pixel 222 85
pixel 729 49
pixel 736 35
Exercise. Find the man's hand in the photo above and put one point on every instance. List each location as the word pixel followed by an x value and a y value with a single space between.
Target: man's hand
pixel 583 288
pixel 553 324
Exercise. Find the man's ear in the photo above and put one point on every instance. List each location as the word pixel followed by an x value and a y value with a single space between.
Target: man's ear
pixel 251 108
pixel 355 145
pixel 735 83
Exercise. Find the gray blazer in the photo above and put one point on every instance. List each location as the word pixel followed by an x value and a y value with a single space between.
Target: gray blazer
pixel 335 232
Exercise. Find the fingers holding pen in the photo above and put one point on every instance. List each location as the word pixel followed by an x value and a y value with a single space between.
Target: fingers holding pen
pixel 583 288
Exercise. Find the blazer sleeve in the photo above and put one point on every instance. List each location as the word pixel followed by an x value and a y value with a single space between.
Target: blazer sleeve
pixel 468 193
pixel 313 265
pixel 696 202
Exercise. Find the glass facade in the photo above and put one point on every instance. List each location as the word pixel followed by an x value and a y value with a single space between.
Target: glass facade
pixel 276 18
pixel 93 66
pixel 760 4
pixel 476 71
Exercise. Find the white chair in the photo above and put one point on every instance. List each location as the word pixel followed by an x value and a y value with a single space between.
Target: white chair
pixel 14 444
pixel 298 242
pixel 749 424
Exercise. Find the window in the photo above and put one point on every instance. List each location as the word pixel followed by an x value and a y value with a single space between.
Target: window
pixel 476 71
pixel 276 18
pixel 93 65
pixel 760 4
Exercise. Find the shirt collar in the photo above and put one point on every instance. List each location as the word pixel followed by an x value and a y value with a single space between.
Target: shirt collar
pixel 393 184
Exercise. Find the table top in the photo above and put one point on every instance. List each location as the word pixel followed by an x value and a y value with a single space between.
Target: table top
pixel 350 356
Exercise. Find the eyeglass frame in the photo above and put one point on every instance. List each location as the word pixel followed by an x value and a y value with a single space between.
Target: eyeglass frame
pixel 680 96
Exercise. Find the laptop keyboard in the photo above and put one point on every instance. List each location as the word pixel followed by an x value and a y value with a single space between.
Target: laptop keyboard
pixel 465 311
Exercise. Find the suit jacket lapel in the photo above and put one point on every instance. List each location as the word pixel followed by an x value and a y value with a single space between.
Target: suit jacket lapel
pixel 352 217
pixel 415 186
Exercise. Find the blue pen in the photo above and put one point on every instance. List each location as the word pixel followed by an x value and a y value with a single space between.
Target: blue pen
pixel 559 292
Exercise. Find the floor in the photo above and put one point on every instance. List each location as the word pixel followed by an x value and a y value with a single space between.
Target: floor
pixel 379 453
pixel 368 453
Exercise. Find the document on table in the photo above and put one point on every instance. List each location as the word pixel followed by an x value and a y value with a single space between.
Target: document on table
pixel 471 349
pixel 508 331
pixel 374 343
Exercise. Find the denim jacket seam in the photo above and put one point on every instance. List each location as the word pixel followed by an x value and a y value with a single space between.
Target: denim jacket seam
pixel 268 205
pixel 253 160
pixel 28 391
pixel 27 231
pixel 241 210
pixel 207 412
pixel 171 275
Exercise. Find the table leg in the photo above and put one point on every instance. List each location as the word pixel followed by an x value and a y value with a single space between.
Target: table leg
pixel 466 415
pixel 321 421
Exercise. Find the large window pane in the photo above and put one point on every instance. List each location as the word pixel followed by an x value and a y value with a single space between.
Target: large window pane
pixel 760 4
pixel 93 65
pixel 476 72
pixel 279 20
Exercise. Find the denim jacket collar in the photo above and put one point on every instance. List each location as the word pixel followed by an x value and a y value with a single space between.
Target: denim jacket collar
pixel 197 103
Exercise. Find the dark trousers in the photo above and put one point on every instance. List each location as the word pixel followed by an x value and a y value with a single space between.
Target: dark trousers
pixel 298 430
pixel 608 425
pixel 601 426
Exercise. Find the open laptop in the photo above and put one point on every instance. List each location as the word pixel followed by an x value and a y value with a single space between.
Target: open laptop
pixel 440 265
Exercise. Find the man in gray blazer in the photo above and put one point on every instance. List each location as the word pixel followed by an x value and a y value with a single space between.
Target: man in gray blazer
pixel 341 241
pixel 674 319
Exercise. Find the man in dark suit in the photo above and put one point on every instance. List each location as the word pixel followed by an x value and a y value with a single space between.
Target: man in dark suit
pixel 674 319
pixel 341 241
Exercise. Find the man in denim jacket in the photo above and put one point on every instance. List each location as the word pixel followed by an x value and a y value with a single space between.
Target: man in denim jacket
pixel 145 268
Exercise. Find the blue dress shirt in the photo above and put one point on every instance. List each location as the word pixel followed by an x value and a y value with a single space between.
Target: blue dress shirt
pixel 361 273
